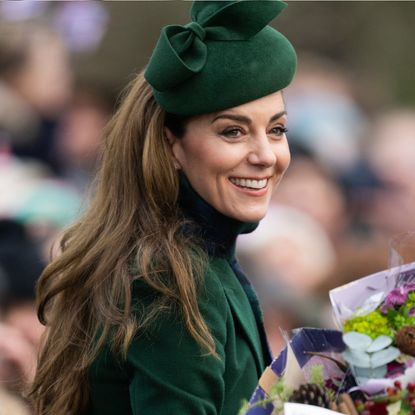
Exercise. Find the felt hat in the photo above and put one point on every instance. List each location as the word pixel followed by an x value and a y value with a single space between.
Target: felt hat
pixel 226 56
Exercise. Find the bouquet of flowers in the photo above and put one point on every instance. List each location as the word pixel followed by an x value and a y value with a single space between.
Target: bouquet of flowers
pixel 365 368
pixel 377 317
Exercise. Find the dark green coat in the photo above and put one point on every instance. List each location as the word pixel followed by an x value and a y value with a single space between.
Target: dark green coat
pixel 165 372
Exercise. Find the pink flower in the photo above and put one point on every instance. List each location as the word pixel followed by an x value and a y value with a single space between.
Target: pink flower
pixel 397 296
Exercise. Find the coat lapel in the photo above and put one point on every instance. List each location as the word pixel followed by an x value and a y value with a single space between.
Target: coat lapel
pixel 242 312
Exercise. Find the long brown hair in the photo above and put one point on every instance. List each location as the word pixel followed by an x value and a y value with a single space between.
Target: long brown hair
pixel 85 293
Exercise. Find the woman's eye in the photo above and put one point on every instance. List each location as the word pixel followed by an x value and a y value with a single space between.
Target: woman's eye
pixel 279 130
pixel 232 133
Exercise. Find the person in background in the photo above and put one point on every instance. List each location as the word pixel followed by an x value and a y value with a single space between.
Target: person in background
pixel 35 86
pixel 311 189
pixel 79 135
pixel 393 164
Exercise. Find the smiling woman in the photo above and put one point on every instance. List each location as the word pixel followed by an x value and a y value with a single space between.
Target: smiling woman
pixel 235 158
pixel 147 309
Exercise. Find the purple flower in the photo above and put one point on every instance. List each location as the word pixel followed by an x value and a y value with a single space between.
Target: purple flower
pixel 410 287
pixel 397 296
pixel 395 369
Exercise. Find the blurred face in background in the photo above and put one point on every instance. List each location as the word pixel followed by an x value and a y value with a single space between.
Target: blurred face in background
pixel 235 158
pixel 308 189
pixel 80 134
pixel 44 79
pixel 392 158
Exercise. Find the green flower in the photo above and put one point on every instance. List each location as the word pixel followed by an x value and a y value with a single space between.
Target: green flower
pixel 373 324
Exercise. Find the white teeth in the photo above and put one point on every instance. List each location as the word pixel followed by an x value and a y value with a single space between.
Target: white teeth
pixel 252 184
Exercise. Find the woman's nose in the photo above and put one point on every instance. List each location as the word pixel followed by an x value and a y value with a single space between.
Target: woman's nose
pixel 262 152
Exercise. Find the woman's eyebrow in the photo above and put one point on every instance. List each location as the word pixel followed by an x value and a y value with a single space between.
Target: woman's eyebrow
pixel 234 117
pixel 278 115
pixel 244 119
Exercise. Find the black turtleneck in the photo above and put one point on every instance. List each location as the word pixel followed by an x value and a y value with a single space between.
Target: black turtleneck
pixel 216 231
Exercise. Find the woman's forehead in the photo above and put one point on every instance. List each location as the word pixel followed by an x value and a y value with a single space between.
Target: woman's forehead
pixel 271 106
pixel 267 109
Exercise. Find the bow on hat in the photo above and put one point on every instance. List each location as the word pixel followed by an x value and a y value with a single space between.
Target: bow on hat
pixel 181 51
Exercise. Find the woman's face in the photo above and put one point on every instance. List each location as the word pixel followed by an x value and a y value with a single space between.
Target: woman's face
pixel 235 158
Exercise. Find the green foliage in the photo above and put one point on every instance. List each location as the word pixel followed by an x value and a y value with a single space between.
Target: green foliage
pixel 317 375
pixel 279 394
pixel 244 407
pixel 331 394
pixel 400 318
pixel 411 299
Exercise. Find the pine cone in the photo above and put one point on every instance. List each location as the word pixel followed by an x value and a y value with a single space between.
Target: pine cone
pixel 311 394
pixel 405 340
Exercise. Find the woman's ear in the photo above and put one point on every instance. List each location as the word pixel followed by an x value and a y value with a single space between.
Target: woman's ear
pixel 174 144
pixel 171 138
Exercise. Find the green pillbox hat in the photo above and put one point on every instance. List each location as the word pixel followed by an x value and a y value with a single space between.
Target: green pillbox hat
pixel 226 56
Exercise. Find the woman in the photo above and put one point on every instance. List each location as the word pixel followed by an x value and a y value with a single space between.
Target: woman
pixel 147 309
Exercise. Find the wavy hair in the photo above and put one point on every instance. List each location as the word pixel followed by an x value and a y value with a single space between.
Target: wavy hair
pixel 85 294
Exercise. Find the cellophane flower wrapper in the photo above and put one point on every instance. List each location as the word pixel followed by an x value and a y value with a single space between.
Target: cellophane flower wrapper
pixel 295 362
pixel 360 297
pixel 364 295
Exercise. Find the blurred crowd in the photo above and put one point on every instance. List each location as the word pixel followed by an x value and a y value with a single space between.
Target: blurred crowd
pixel 50 134
pixel 348 193
pixel 349 190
